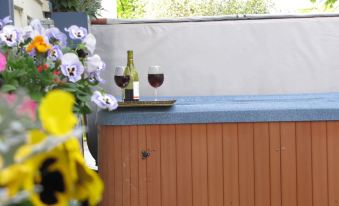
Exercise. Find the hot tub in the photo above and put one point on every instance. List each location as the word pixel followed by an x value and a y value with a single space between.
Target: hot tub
pixel 229 150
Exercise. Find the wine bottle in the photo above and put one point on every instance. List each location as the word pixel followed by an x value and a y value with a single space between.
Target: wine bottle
pixel 132 89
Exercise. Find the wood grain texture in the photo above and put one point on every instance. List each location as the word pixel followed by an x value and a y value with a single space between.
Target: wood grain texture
pixel 275 163
pixel 215 165
pixel 105 141
pixel 184 165
pixel 262 164
pixel 288 164
pixel 246 164
pixel 118 174
pixel 134 165
pixel 142 144
pixel 304 163
pixel 168 166
pixel 153 165
pixel 126 169
pixel 319 164
pixel 231 164
pixel 199 165
pixel 333 166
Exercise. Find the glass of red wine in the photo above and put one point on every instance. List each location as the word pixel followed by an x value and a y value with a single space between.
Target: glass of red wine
pixel 155 79
pixel 121 79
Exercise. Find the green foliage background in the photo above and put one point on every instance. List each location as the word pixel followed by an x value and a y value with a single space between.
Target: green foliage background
pixel 327 3
pixel 90 7
pixel 180 8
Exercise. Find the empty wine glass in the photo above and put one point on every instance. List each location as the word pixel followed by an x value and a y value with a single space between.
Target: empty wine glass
pixel 121 79
pixel 155 79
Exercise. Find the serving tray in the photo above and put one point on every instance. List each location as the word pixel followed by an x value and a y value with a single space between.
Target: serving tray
pixel 158 103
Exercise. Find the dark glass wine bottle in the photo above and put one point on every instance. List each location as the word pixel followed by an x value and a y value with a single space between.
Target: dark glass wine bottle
pixel 132 89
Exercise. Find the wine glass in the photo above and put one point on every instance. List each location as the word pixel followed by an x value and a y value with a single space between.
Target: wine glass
pixel 155 78
pixel 121 79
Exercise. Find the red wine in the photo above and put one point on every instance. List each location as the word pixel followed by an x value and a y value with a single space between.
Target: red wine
pixel 121 81
pixel 155 80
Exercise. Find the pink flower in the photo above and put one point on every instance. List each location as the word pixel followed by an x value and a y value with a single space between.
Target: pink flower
pixel 11 98
pixel 3 62
pixel 28 108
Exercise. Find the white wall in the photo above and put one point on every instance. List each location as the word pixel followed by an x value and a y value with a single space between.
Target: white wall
pixel 28 9
pixel 268 56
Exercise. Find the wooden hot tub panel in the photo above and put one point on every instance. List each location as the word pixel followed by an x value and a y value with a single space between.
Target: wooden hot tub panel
pixel 230 164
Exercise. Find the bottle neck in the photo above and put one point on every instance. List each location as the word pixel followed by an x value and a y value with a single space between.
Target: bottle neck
pixel 130 62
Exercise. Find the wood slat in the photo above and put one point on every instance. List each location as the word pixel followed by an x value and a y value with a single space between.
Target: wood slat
pixel 168 166
pixel 118 174
pixel 215 165
pixel 184 165
pixel 153 165
pixel 142 144
pixel 275 163
pixel 262 164
pixel 333 159
pixel 246 164
pixel 134 165
pixel 199 165
pixel 126 170
pixel 231 166
pixel 288 164
pixel 319 164
pixel 304 163
pixel 105 166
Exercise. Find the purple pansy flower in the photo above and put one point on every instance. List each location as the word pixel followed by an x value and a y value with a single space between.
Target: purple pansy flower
pixel 33 54
pixel 37 26
pixel 26 33
pixel 95 76
pixel 90 43
pixel 55 36
pixel 55 53
pixel 71 67
pixel 4 22
pixel 94 64
pixel 36 29
pixel 10 36
pixel 76 32
pixel 104 101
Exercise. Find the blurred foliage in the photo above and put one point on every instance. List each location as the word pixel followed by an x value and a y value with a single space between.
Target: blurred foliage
pixel 90 7
pixel 326 3
pixel 182 8
pixel 130 9
pixel 320 6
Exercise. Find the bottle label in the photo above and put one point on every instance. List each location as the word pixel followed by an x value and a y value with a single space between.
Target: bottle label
pixel 136 90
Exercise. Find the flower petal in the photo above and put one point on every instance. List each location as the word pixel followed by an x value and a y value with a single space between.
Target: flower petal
pixel 90 43
pixel 56 113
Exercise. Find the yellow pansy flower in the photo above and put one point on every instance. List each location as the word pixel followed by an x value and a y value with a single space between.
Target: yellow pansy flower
pixel 52 174
pixel 64 175
pixel 17 177
pixel 1 162
pixel 88 185
pixel 61 172
pixel 39 44
pixel 33 137
pixel 56 113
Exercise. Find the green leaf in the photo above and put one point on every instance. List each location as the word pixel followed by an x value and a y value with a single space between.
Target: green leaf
pixel 8 88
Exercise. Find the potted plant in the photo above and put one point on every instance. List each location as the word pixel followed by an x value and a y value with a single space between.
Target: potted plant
pixel 44 86
pixel 74 12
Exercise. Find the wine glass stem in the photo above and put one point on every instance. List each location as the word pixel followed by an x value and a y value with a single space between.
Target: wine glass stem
pixel 155 94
